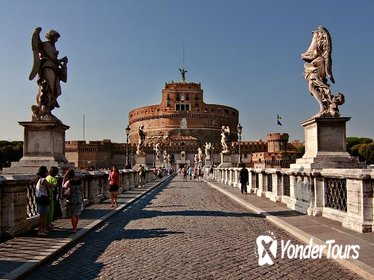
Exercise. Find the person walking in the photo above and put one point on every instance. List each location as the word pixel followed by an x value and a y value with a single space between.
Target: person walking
pixel 243 178
pixel 184 173
pixel 113 185
pixel 42 199
pixel 72 187
pixel 190 171
pixel 141 173
pixel 51 178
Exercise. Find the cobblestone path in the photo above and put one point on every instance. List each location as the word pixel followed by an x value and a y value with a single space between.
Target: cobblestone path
pixel 186 230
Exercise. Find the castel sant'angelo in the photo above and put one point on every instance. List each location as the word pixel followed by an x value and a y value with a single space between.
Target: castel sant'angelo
pixel 181 124
pixel 183 116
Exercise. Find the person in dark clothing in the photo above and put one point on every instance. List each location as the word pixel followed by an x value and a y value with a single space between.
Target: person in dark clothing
pixel 243 178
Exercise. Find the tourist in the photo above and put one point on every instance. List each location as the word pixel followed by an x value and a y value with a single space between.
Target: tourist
pixel 141 173
pixel 42 199
pixel 200 174
pixel 51 178
pixel 190 171
pixel 184 172
pixel 113 185
pixel 243 178
pixel 72 187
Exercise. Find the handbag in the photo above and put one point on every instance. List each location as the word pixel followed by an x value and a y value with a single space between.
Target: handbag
pixel 67 193
pixel 42 200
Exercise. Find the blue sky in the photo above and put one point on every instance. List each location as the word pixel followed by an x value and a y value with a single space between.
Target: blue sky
pixel 245 53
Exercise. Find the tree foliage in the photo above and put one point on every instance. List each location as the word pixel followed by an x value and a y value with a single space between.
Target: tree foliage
pixel 10 151
pixel 363 148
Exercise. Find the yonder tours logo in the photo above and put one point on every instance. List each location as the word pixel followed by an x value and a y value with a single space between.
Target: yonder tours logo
pixel 267 248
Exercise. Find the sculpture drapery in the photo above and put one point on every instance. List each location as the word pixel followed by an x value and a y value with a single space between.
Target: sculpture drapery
pixel 50 70
pixel 318 70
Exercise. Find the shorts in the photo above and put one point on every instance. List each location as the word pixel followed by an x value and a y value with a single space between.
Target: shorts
pixel 42 209
pixel 113 188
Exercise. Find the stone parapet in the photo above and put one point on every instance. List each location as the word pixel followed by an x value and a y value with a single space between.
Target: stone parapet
pixel 344 195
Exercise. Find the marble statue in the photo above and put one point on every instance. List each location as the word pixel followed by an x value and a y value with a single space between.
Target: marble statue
pixel 50 70
pixel 199 155
pixel 225 133
pixel 167 158
pixel 208 150
pixel 318 70
pixel 141 140
pixel 196 159
pixel 158 151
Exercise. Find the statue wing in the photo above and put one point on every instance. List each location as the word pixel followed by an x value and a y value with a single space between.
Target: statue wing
pixel 327 54
pixel 36 44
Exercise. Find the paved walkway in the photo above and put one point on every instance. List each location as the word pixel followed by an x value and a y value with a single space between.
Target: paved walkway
pixel 305 227
pixel 22 255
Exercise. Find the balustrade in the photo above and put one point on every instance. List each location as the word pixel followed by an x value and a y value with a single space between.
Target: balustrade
pixel 344 195
pixel 17 196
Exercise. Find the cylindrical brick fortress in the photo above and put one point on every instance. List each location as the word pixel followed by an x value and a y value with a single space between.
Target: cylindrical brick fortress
pixel 182 112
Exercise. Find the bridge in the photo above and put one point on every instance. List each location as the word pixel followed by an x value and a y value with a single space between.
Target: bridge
pixel 173 229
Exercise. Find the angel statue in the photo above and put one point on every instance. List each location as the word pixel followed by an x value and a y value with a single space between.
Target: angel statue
pixel 199 155
pixel 166 158
pixel 317 71
pixel 208 150
pixel 50 70
pixel 158 151
pixel 225 133
pixel 141 140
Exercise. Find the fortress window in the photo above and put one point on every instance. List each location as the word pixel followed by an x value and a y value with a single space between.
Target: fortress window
pixel 182 107
pixel 226 111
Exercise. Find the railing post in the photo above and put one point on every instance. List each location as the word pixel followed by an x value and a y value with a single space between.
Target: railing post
pixel 277 186
pixel 360 198
pixel 13 204
pixel 317 195
pixel 260 183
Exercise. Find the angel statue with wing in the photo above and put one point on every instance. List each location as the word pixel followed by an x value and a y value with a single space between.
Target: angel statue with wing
pixel 317 71
pixel 50 71
pixel 225 133
pixel 141 140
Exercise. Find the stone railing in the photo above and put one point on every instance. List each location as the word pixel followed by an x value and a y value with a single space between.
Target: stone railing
pixel 344 195
pixel 17 196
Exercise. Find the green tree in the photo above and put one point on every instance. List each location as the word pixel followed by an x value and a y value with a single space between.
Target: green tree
pixel 10 151
pixel 363 148
pixel 353 141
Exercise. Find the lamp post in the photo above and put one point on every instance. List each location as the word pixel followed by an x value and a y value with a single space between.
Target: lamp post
pixel 154 156
pixel 240 144
pixel 128 165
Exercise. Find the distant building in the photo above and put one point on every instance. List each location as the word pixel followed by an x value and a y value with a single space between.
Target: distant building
pixel 182 123
pixel 183 113
pixel 279 154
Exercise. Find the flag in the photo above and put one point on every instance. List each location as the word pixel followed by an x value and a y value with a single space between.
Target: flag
pixel 278 120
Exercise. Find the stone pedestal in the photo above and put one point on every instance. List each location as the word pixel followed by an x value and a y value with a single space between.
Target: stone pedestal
pixel 325 145
pixel 44 144
pixel 139 160
pixel 225 160
pixel 158 163
pixel 208 163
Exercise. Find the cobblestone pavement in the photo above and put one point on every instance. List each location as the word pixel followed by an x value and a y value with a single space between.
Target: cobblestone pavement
pixel 186 230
